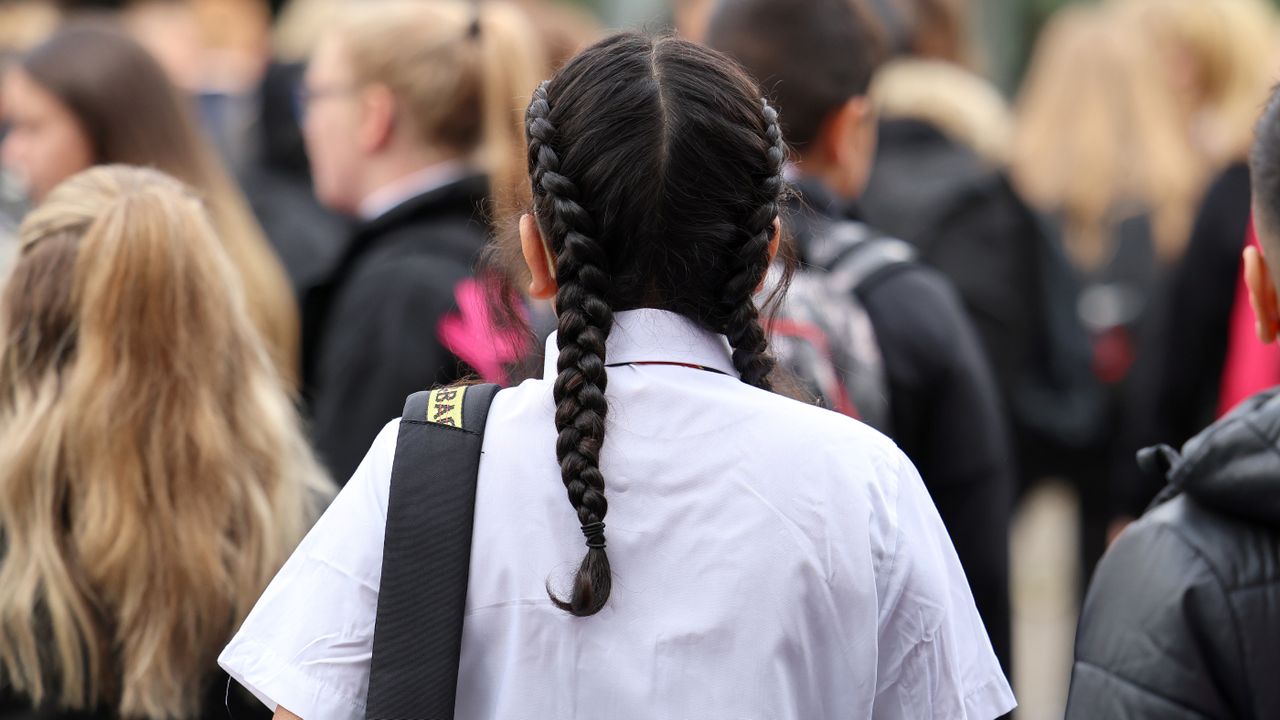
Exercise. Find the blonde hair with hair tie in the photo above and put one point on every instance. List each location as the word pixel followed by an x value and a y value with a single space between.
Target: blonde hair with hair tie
pixel 463 72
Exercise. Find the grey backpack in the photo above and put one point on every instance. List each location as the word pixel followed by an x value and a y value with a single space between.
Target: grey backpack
pixel 822 333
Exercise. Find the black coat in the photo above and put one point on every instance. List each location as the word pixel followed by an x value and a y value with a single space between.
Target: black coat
pixel 944 409
pixel 967 221
pixel 370 330
pixel 1183 616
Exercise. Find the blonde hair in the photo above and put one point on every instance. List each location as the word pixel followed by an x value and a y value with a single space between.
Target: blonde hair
pixel 23 23
pixel 963 105
pixel 1098 135
pixel 300 25
pixel 1230 46
pixel 153 473
pixel 460 91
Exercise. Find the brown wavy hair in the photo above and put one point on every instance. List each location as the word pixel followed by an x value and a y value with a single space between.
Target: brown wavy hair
pixel 133 115
pixel 153 472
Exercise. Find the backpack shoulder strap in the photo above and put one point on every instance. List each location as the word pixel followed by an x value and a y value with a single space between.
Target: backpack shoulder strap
pixel 417 636
pixel 858 256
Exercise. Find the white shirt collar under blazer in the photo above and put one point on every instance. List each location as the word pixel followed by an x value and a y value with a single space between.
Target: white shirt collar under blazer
pixel 648 335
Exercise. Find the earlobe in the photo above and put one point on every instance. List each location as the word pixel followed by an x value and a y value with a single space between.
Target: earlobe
pixel 1262 295
pixel 542 282
pixel 775 243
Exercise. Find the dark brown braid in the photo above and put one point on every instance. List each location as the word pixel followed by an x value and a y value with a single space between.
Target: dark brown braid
pixel 585 319
pixel 750 346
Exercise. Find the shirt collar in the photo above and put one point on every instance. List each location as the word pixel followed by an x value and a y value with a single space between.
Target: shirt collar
pixel 412 185
pixel 648 335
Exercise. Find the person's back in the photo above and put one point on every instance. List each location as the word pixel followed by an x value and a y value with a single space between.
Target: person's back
pixel 154 470
pixel 763 557
pixel 939 183
pixel 941 402
pixel 1184 609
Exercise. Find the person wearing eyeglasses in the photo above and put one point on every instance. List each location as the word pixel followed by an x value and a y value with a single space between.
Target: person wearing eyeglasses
pixel 412 121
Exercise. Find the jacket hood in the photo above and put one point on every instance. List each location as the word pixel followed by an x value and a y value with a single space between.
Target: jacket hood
pixel 1234 465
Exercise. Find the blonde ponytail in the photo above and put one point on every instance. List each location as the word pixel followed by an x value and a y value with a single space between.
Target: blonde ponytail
pixel 463 73
pixel 511 66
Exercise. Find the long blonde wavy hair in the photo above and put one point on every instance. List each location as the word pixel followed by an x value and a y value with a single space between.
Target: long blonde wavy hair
pixel 1098 135
pixel 153 474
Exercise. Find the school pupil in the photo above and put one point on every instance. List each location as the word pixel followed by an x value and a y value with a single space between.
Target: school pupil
pixel 746 554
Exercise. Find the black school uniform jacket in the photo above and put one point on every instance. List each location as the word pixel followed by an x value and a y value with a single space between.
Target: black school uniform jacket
pixel 372 329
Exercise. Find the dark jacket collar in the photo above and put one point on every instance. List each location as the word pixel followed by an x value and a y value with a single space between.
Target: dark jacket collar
pixel 812 196
pixel 461 197
pixel 911 132
pixel 1234 465
pixel 811 209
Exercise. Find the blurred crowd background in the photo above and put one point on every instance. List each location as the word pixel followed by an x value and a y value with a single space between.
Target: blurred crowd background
pixel 1077 169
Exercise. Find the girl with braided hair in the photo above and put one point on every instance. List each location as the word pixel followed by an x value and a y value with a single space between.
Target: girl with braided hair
pixel 763 557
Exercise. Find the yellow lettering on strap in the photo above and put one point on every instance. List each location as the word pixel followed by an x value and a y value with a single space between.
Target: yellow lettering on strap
pixel 444 406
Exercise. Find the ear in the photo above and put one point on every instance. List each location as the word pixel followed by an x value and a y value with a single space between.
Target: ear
pixel 831 142
pixel 1262 294
pixel 859 148
pixel 847 142
pixel 538 257
pixel 377 119
pixel 840 130
pixel 775 243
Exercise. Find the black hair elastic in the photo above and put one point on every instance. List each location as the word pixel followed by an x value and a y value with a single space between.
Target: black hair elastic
pixel 473 30
pixel 594 533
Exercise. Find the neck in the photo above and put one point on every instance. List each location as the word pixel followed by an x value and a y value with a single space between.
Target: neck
pixel 395 163
pixel 835 178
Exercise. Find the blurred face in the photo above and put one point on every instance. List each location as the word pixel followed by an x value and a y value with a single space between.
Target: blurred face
pixel 45 144
pixel 692 17
pixel 331 127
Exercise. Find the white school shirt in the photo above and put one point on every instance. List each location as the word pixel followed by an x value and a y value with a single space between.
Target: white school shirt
pixel 772 560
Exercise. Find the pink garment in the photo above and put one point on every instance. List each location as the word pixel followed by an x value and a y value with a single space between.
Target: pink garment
pixel 1251 367
pixel 471 334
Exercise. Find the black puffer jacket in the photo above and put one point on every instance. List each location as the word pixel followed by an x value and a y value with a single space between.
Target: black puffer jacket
pixel 1183 617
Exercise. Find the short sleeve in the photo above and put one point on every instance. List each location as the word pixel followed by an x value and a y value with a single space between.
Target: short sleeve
pixel 307 643
pixel 935 659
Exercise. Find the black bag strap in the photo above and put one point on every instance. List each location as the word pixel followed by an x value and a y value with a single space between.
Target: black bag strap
pixel 417 636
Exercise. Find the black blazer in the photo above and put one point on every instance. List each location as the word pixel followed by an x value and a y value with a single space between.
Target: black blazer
pixel 370 329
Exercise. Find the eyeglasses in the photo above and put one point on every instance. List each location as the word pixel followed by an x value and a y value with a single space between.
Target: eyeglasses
pixel 304 97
